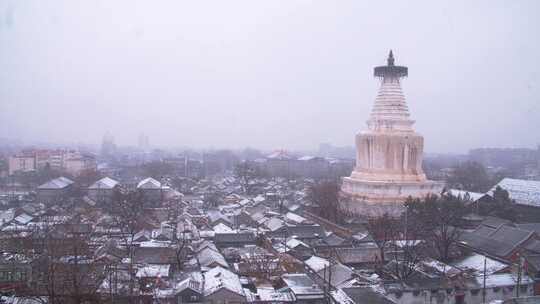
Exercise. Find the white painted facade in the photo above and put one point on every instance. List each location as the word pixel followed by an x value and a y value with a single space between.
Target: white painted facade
pixel 388 157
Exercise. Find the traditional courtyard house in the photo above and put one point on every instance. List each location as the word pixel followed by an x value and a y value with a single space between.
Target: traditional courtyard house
pixel 525 194
pixel 435 282
pixel 365 255
pixel 353 295
pixel 210 258
pixel 222 286
pixel 504 242
pixel 14 273
pixel 304 289
pixel 235 239
pixel 295 247
pixel 155 255
pixel 268 295
pixel 532 268
pixel 189 291
pixel 474 264
pixel 149 275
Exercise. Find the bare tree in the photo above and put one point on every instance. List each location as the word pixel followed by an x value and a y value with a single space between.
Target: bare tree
pixel 405 256
pixel 246 172
pixel 438 220
pixel 63 268
pixel 127 212
pixel 325 195
pixel 383 229
pixel 470 176
pixel 262 265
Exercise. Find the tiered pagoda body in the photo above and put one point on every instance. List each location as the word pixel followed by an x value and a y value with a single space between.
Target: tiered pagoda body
pixel 388 154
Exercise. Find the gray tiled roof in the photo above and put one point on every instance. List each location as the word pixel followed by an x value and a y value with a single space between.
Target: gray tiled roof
pixel 525 192
pixel 366 295
pixel 57 183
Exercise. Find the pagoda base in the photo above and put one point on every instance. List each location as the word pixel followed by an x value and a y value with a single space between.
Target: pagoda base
pixel 375 198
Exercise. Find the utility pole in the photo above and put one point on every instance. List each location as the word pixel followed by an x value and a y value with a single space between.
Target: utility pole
pixel 519 277
pixel 161 189
pixel 484 285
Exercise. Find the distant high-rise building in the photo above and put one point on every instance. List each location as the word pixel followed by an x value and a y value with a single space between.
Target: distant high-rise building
pixel 108 147
pixel 144 142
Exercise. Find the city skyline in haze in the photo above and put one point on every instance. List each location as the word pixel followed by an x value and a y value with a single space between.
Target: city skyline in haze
pixel 267 75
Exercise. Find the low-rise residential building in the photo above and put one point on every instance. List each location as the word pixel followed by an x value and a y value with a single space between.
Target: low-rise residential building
pixel 55 189
pixel 102 190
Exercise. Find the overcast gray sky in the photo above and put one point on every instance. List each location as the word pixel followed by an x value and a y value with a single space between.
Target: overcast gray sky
pixel 266 74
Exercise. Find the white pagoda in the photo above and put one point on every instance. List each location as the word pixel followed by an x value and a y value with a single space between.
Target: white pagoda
pixel 388 154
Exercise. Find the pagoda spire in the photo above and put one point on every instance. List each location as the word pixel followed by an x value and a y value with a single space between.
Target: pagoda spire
pixel 390 59
pixel 390 111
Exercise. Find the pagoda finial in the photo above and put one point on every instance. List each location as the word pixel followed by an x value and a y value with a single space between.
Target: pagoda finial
pixel 390 70
pixel 390 58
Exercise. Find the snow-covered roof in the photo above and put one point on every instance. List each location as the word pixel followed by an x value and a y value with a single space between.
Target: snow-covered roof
pixel 433 267
pixel 150 183
pixel 279 154
pixel 259 198
pixel 153 271
pixel 269 294
pixel 222 228
pixel 208 257
pixel 218 278
pixel 306 158
pixel 524 192
pixel 302 285
pixel 502 279
pixel 57 183
pixel 476 262
pixel 23 218
pixel 341 297
pixel 104 183
pixel 293 243
pixel 295 218
pixel 274 224
pixel 472 196
pixel 316 263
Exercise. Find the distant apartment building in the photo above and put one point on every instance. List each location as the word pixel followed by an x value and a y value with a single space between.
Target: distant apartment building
pixel 69 161
pixel 280 163
pixel 21 162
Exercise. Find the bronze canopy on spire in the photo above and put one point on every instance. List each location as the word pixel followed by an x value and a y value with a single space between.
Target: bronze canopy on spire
pixel 391 70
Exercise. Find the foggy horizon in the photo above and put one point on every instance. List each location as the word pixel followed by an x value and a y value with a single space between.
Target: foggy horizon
pixel 266 75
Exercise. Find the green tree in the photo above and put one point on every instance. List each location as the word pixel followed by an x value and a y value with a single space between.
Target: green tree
pixel 501 205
